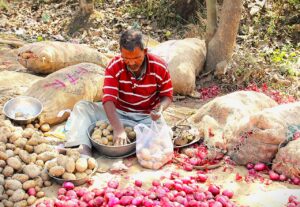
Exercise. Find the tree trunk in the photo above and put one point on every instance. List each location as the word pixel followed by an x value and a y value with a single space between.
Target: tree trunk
pixel 211 19
pixel 86 7
pixel 221 46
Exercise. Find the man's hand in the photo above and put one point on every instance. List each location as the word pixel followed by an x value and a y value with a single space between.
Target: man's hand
pixel 156 113
pixel 120 137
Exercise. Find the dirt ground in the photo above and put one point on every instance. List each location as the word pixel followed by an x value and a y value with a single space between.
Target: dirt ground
pixel 14 80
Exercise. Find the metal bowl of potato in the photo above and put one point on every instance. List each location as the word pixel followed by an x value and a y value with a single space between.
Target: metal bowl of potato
pixel 76 182
pixel 23 109
pixel 100 134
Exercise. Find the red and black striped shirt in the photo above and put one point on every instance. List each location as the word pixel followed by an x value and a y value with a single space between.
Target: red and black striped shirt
pixel 137 95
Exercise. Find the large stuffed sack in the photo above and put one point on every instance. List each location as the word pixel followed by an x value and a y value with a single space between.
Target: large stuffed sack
pixel 185 59
pixel 47 57
pixel 258 137
pixel 287 160
pixel 217 119
pixel 60 90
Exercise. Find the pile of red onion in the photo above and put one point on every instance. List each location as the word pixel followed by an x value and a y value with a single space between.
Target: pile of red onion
pixel 174 191
pixel 261 167
pixel 293 202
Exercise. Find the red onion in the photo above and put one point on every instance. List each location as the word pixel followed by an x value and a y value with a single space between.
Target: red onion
pixel 88 196
pixel 138 183
pixel 273 175
pixel 194 161
pixel 216 204
pixel 98 192
pixel 193 203
pixel 296 180
pixel 71 194
pixel 99 201
pixel 126 200
pixel 31 191
pixel 260 166
pixel 137 200
pixel 91 203
pixel 68 185
pixel 61 191
pixel 215 190
pixel 155 183
pixel 201 178
pixel 282 177
pixel 81 204
pixel 188 167
pixel 199 196
pixel 228 193
pixel 113 201
pixel 169 184
pixel 81 191
pixel 113 184
pixel 187 189
pixel 250 166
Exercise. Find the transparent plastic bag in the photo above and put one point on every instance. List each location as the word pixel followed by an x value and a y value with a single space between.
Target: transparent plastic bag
pixel 154 146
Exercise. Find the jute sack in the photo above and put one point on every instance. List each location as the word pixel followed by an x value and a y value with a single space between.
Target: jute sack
pixel 258 137
pixel 47 57
pixel 60 90
pixel 287 160
pixel 185 59
pixel 216 119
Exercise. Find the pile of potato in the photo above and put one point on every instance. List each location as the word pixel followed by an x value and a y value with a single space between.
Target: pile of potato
pixel 23 152
pixel 71 166
pixel 182 136
pixel 103 133
pixel 155 154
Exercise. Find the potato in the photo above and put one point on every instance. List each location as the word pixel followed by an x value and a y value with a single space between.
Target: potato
pixel 21 142
pixel 70 165
pixel 39 181
pixel 104 141
pixel 2 163
pixel 109 128
pixel 11 146
pixel 24 156
pixel 62 160
pixel 17 196
pixel 68 176
pixel 42 148
pixel 31 200
pixel 45 156
pixel 40 194
pixel 2 147
pixel 80 175
pixel 15 135
pixel 28 132
pixel 33 141
pixel 98 123
pixel 47 183
pixel 33 157
pixel 110 144
pixel 88 171
pixel 73 153
pixel 81 164
pixel 91 163
pixel 3 156
pixel 51 163
pixel 105 132
pixel 30 126
pixel 8 171
pixel 96 136
pixel 131 135
pixel 32 170
pixel 128 129
pixel 9 192
pixel 17 150
pixel 29 184
pixel 10 153
pixel 103 125
pixel 45 176
pixel 8 203
pixel 39 163
pixel 20 177
pixel 37 126
pixel 14 162
pixel 145 154
pixel 12 184
pixel 5 133
pixel 110 137
pixel 45 127
pixel 97 132
pixel 57 171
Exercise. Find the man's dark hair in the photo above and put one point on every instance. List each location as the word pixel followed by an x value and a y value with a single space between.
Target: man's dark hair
pixel 130 39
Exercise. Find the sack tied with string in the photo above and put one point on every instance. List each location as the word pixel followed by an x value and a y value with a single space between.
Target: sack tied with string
pixel 287 160
pixel 185 59
pixel 258 137
pixel 61 90
pixel 154 146
pixel 218 118
pixel 50 56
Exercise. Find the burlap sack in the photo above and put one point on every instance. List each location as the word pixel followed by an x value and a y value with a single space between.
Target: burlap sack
pixel 47 57
pixel 258 137
pixel 185 59
pixel 216 119
pixel 60 90
pixel 287 160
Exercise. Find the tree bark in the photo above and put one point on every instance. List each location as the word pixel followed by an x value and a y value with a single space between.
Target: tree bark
pixel 211 19
pixel 86 7
pixel 221 46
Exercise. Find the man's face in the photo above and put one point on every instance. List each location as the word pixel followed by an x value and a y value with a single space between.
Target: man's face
pixel 133 59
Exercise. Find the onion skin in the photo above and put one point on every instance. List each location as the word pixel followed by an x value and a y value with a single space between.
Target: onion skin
pixel 260 166
pixel 68 185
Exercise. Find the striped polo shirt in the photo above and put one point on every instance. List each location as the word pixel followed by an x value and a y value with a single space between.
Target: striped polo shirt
pixel 137 95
